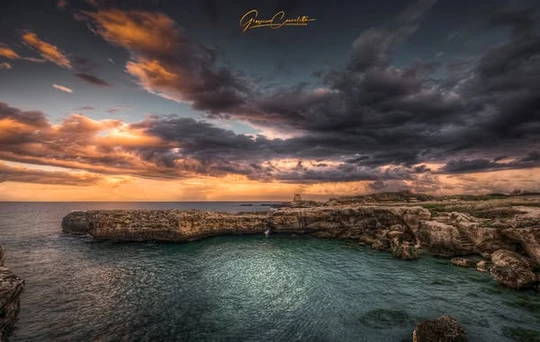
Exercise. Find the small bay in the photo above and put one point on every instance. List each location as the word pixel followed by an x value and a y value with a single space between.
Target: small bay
pixel 239 288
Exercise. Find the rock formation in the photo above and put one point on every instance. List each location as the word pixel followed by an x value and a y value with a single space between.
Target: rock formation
pixel 482 266
pixel 399 229
pixel 373 223
pixel 463 262
pixel 512 270
pixel 442 329
pixel 11 288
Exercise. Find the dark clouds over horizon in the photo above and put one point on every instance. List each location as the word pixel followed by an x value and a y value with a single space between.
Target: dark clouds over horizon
pixel 371 114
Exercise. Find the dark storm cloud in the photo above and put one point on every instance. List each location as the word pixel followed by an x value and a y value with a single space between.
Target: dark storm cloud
pixel 173 147
pixel 531 159
pixel 219 150
pixel 85 70
pixel 502 93
pixel 533 156
pixel 368 120
pixel 465 166
pixel 168 62
pixel 202 140
pixel 210 9
pixel 92 79
pixel 35 119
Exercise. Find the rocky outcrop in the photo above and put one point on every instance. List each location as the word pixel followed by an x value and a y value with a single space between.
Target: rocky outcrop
pixel 11 288
pixel 442 329
pixel 401 230
pixel 440 238
pixel 512 270
pixel 528 238
pixel 369 223
pixel 463 262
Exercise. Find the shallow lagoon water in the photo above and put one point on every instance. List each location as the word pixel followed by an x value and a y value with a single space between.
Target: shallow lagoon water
pixel 239 288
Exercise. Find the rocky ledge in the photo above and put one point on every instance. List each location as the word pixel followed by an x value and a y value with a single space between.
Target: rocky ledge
pixel 513 248
pixel 11 288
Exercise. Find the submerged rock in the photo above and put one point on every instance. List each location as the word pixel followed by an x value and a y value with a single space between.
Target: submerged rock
pixel 512 270
pixel 442 329
pixel 385 319
pixel 11 288
pixel 463 262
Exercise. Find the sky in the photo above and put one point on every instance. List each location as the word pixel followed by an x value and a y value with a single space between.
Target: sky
pixel 161 100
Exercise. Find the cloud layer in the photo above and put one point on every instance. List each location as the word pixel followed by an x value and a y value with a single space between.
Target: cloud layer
pixel 425 125
pixel 370 110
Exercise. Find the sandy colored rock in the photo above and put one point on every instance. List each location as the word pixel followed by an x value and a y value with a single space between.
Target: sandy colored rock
pixel 512 270
pixel 343 222
pixel 439 238
pixel 442 329
pixel 482 266
pixel 528 238
pixel 400 229
pixel 463 262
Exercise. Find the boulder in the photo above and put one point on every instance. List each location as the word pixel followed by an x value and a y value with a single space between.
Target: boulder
pixel 512 270
pixel 463 262
pixel 442 329
pixel 482 266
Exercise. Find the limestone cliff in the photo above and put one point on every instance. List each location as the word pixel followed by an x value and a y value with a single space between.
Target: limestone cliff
pixel 179 225
pixel 402 230
pixel 11 288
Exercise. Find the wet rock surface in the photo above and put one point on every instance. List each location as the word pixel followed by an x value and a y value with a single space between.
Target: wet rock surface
pixel 11 288
pixel 442 329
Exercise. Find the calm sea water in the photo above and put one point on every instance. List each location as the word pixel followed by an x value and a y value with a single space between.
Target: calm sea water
pixel 238 288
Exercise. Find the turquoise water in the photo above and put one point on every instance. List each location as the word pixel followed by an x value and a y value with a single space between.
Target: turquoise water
pixel 239 288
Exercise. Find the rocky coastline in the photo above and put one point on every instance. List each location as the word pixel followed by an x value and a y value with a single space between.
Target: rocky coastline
pixel 506 246
pixel 11 288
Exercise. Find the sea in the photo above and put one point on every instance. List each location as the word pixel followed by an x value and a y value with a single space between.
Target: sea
pixel 239 288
